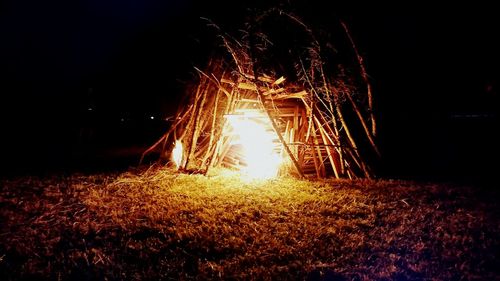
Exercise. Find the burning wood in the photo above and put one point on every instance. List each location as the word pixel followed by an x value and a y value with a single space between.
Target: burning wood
pixel 266 115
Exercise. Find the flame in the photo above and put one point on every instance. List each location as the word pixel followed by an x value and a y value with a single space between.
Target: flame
pixel 258 147
pixel 177 153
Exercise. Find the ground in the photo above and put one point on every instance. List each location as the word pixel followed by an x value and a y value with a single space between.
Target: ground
pixel 161 224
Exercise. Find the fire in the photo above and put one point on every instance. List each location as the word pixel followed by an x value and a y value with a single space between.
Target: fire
pixel 258 146
pixel 177 153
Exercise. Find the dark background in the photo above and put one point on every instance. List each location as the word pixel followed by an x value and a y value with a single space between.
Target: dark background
pixel 80 80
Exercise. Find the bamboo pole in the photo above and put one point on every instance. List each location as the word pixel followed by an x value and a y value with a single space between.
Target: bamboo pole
pixel 363 123
pixel 352 142
pixel 364 75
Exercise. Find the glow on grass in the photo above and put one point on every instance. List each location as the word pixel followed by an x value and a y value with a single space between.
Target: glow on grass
pixel 262 161
pixel 177 153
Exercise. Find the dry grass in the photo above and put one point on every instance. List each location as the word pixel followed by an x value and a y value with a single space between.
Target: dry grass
pixel 160 224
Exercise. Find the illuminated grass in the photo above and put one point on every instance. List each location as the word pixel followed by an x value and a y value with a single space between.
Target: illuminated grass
pixel 161 224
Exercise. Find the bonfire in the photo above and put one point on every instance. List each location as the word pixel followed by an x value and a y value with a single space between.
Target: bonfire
pixel 267 107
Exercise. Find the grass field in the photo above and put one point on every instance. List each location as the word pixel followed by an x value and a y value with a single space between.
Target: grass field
pixel 160 224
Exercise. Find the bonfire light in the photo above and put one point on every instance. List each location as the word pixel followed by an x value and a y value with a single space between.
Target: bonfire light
pixel 259 153
pixel 177 153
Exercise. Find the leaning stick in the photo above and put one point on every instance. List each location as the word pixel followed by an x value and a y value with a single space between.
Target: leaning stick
pixel 165 136
pixel 363 123
pixel 268 112
pixel 365 78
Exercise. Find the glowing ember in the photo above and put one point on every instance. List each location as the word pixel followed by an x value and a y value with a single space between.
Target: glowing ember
pixel 258 147
pixel 177 153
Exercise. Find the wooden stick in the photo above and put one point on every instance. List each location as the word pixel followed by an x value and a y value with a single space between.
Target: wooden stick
pixel 353 144
pixel 196 127
pixel 275 127
pixel 318 161
pixel 287 128
pixel 335 135
pixel 165 136
pixel 309 123
pixel 226 145
pixel 295 122
pixel 215 153
pixel 212 128
pixel 363 123
pixel 330 157
pixel 269 114
pixel 365 78
pixel 300 136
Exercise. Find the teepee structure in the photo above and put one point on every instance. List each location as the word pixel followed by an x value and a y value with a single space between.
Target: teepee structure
pixel 293 113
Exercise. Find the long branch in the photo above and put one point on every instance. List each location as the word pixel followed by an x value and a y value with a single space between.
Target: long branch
pixel 365 78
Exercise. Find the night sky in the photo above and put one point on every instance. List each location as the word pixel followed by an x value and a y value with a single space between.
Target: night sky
pixel 68 68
